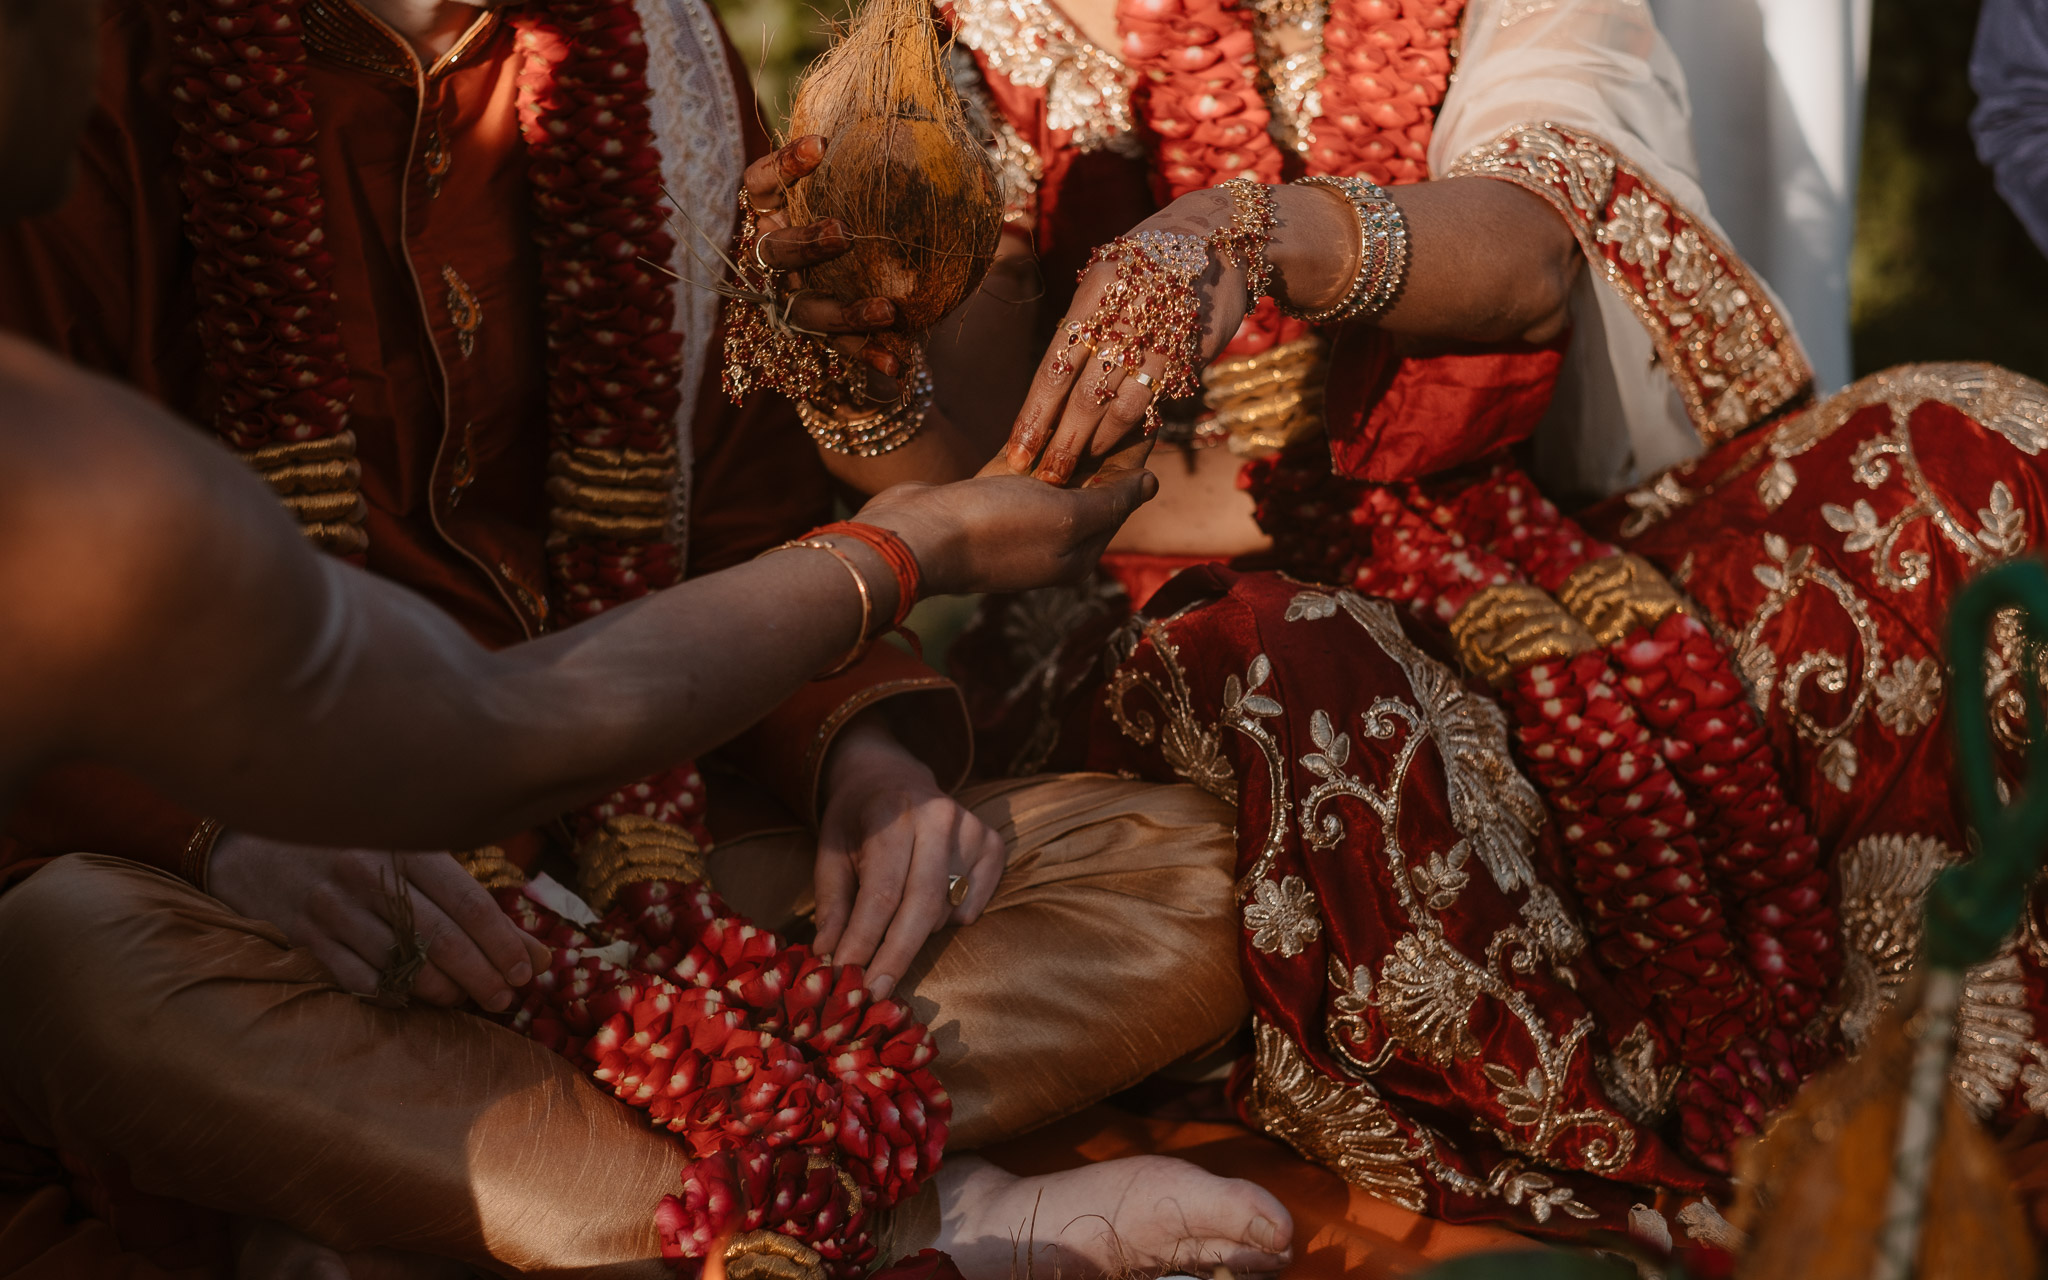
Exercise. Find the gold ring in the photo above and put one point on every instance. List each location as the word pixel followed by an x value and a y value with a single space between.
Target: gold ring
pixel 760 243
pixel 1144 379
pixel 956 890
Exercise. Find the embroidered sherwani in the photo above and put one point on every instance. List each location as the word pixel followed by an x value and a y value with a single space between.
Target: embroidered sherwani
pixel 1445 910
pixel 476 1146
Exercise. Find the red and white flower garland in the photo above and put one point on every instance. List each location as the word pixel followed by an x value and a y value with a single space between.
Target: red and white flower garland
pixel 267 319
pixel 807 1106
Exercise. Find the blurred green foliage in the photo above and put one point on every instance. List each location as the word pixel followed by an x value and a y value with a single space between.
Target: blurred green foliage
pixel 1942 269
pixel 777 39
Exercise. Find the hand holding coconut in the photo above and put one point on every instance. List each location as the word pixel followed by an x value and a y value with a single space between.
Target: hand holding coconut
pixel 902 205
pixel 1157 304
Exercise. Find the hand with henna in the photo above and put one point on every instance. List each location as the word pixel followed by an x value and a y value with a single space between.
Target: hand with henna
pixel 1487 262
pixel 789 250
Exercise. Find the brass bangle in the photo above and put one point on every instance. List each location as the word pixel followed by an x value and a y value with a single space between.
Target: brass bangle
pixel 860 584
pixel 196 857
pixel 1382 269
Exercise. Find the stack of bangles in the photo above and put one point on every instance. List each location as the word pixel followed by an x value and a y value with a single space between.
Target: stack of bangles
pixel 870 435
pixel 1382 268
pixel 909 578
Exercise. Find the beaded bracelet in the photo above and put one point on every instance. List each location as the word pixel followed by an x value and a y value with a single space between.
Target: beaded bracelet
pixel 1251 229
pixel 873 434
pixel 1382 252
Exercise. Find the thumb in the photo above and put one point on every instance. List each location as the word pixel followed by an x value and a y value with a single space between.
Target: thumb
pixel 1120 492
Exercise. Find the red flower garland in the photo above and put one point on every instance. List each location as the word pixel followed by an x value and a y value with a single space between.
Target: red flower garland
pixel 807 1106
pixel 267 319
pixel 1762 854
pixel 1198 99
pixel 253 212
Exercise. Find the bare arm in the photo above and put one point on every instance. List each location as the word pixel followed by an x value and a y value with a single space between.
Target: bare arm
pixel 1488 262
pixel 165 614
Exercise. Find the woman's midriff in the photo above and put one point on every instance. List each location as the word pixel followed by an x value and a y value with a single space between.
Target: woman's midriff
pixel 1199 510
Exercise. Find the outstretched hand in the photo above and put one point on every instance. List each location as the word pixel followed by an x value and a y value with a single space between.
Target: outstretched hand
pixel 789 250
pixel 1006 532
pixel 1064 430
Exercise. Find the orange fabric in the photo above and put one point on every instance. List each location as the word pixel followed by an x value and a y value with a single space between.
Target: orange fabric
pixel 1340 1232
pixel 452 446
pixel 1393 418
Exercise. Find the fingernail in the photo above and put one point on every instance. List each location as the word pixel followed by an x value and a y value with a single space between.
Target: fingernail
pixel 500 1002
pixel 880 987
pixel 1268 1235
pixel 877 311
pixel 813 145
pixel 522 973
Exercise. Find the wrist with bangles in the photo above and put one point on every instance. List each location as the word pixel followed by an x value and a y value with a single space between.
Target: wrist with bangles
pixel 1381 269
pixel 894 553
pixel 879 432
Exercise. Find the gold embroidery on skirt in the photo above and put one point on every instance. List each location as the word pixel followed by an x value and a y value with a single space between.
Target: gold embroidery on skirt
pixel 1192 749
pixel 1345 1127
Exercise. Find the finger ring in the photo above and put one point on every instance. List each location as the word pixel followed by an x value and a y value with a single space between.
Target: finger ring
pixel 1144 379
pixel 956 890
pixel 760 243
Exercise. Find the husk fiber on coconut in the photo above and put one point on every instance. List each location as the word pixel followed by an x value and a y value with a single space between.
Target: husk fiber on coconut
pixel 906 176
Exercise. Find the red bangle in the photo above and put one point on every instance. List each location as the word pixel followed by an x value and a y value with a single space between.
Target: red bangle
pixel 909 578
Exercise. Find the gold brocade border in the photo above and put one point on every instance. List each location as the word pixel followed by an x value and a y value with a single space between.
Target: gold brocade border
pixel 770 1255
pixel 1515 625
pixel 1732 357
pixel 1615 595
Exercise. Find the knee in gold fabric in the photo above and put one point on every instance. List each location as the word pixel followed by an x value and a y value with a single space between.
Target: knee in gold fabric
pixel 1109 952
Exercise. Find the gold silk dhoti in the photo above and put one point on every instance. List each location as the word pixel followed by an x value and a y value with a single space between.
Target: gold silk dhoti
pixel 152 1033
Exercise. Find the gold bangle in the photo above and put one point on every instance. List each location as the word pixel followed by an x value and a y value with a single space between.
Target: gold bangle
pixel 196 857
pixel 1382 269
pixel 860 583
pixel 870 435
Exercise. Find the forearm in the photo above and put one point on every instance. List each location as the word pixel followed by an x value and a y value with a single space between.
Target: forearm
pixel 1487 261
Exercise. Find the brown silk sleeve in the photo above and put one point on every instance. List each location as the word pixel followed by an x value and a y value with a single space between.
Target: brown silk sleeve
pixel 96 809
pixel 786 751
pixel 99 280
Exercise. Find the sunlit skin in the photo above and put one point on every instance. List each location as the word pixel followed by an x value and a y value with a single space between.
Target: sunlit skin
pixel 166 615
pixel 1489 262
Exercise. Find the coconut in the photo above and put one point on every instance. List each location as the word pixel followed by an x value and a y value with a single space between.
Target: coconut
pixel 904 173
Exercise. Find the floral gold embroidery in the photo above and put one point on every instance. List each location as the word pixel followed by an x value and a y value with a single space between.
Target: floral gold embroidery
pixel 1785 575
pixel 464 311
pixel 1909 696
pixel 1032 46
pixel 1634 1079
pixel 1193 750
pixel 1426 1000
pixel 1654 503
pixel 1282 916
pixel 1346 1127
pixel 1731 356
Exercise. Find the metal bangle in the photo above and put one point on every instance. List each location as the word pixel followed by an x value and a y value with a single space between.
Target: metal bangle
pixel 872 435
pixel 1382 252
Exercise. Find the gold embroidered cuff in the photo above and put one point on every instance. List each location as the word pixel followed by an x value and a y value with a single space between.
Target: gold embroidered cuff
pixel 770 1255
pixel 1614 596
pixel 490 868
pixel 629 849
pixel 1515 625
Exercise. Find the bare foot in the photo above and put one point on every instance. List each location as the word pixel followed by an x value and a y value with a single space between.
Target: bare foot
pixel 1147 1214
